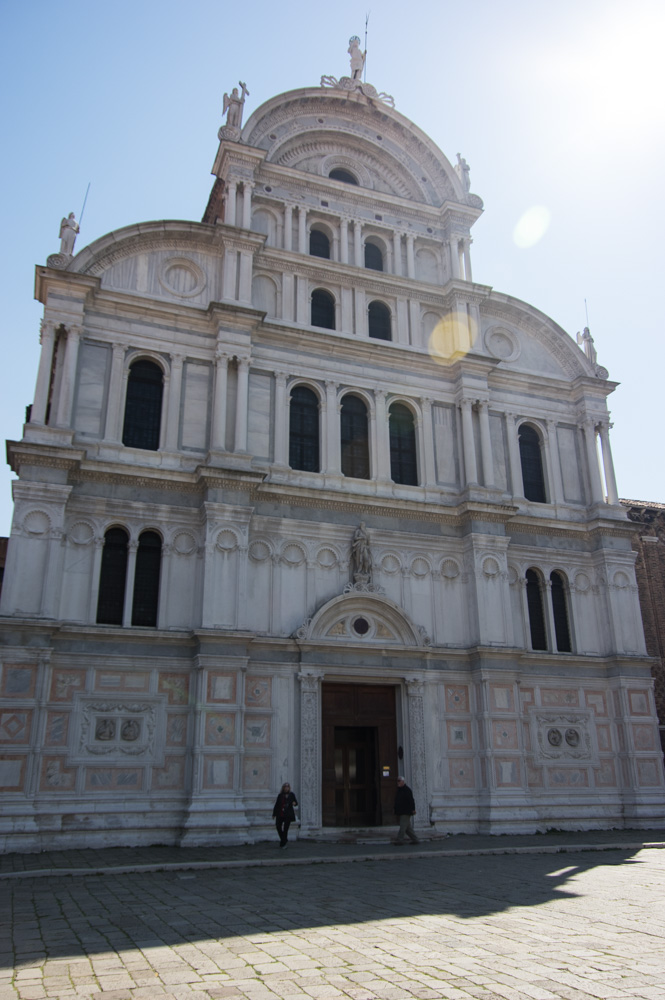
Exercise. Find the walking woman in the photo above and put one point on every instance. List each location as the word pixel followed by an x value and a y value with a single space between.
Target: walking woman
pixel 283 813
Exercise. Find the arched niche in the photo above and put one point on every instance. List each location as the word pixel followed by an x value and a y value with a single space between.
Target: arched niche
pixel 362 617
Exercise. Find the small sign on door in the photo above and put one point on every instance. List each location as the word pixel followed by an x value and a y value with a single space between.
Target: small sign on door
pixel 386 771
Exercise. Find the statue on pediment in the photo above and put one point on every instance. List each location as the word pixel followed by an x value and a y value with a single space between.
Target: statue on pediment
pixel 463 171
pixel 233 106
pixel 68 232
pixel 357 57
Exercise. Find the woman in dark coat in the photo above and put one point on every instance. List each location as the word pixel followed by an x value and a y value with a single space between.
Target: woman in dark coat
pixel 283 813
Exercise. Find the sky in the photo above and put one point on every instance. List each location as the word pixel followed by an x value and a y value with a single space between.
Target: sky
pixel 558 109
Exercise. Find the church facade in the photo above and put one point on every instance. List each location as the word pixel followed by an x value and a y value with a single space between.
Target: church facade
pixel 299 500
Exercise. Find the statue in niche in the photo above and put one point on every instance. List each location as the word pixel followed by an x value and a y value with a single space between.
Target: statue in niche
pixel 585 340
pixel 463 171
pixel 68 232
pixel 361 555
pixel 233 106
pixel 130 730
pixel 105 730
pixel 357 57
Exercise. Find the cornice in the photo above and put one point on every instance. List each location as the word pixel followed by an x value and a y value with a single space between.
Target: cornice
pixel 43 456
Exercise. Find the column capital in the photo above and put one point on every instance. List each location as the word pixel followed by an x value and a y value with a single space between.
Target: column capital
pixel 222 356
pixel 426 403
pixel 177 360
pixel 281 377
pixel 243 363
pixel 380 395
pixel 46 330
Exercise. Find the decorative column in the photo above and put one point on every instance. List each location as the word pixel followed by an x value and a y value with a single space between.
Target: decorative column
pixel 242 396
pixel 231 198
pixel 382 436
pixel 112 429
pixel 415 690
pixel 132 546
pixel 428 472
pixel 410 256
pixel 98 543
pixel 397 253
pixel 302 229
pixel 245 282
pixel 303 312
pixel 514 460
pixel 554 462
pixel 288 288
pixel 164 575
pixel 357 243
pixel 344 241
pixel 592 458
pixel 220 393
pixel 66 400
pixel 414 322
pixel 486 443
pixel 468 443
pixel 229 272
pixel 247 205
pixel 173 410
pixel 454 257
pixel 360 312
pixel 608 464
pixel 548 611
pixel 333 456
pixel 281 420
pixel 310 750
pixel 466 250
pixel 47 340
pixel 288 227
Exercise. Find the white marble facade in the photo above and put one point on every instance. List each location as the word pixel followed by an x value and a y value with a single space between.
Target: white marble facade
pixel 182 731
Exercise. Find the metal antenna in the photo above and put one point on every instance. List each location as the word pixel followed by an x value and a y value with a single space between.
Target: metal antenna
pixel 587 314
pixel 84 201
pixel 365 60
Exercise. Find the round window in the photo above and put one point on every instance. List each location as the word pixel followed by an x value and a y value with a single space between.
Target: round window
pixel 361 626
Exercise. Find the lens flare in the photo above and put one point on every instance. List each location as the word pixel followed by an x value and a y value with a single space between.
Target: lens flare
pixel 532 226
pixel 452 337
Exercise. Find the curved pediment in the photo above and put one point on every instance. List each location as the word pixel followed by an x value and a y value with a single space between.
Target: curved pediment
pixel 362 617
pixel 301 128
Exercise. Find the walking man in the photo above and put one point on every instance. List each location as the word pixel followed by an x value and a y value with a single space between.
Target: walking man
pixel 405 810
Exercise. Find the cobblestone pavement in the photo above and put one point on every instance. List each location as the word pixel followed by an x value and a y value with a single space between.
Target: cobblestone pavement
pixel 516 927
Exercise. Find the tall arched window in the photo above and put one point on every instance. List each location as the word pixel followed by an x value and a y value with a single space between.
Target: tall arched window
pixel 323 309
pixel 319 244
pixel 304 430
pixel 112 577
pixel 403 461
pixel 378 321
pixel 534 600
pixel 373 257
pixel 531 458
pixel 345 176
pixel 354 439
pixel 146 579
pixel 143 406
pixel 560 613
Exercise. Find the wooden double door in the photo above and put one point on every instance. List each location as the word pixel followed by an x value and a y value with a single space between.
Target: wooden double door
pixel 359 726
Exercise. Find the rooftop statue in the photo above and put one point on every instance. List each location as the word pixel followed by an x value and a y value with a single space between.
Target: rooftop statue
pixel 68 232
pixel 585 340
pixel 354 82
pixel 463 171
pixel 233 106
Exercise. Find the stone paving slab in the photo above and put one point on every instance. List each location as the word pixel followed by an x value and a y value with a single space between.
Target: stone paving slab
pixel 301 851
pixel 573 925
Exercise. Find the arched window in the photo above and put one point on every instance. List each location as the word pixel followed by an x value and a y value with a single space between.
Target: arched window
pixel 403 461
pixel 345 176
pixel 378 321
pixel 560 613
pixel 146 579
pixel 323 309
pixel 304 430
pixel 143 406
pixel 534 600
pixel 373 257
pixel 532 464
pixel 354 440
pixel 112 577
pixel 319 244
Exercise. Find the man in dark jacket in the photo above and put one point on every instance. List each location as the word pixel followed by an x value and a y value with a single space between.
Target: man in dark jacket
pixel 405 809
pixel 284 813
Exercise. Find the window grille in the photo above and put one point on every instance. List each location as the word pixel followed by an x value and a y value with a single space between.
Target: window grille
pixel 112 577
pixel 534 600
pixel 373 257
pixel 323 309
pixel 143 407
pixel 531 458
pixel 304 430
pixel 560 613
pixel 146 579
pixel 403 461
pixel 378 321
pixel 354 441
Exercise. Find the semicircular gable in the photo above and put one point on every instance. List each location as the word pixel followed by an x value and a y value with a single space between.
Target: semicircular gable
pixel 362 617
pixel 521 337
pixel 286 125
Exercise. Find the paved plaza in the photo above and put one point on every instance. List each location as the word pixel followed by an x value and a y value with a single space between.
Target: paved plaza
pixel 530 926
